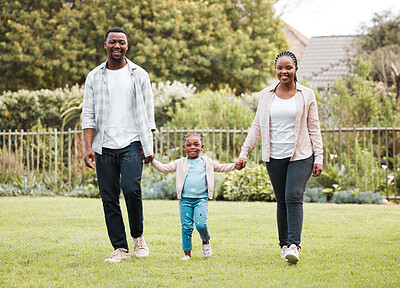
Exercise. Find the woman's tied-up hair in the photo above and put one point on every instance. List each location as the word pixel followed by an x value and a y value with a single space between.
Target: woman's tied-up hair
pixel 288 54
pixel 199 134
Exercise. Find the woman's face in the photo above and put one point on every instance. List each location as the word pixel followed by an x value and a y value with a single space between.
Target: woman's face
pixel 285 69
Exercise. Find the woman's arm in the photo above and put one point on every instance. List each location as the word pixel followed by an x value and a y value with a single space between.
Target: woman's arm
pixel 314 131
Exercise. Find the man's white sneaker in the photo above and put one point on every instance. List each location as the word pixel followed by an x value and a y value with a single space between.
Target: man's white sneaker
pixel 284 251
pixel 186 257
pixel 292 254
pixel 118 255
pixel 207 250
pixel 140 248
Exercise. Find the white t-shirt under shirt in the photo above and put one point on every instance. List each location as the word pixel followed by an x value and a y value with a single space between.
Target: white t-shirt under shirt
pixel 120 130
pixel 283 129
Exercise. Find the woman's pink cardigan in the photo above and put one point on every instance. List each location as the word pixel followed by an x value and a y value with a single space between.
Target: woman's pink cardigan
pixel 182 165
pixel 308 138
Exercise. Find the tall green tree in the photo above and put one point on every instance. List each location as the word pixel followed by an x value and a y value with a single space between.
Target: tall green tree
pixel 380 43
pixel 211 44
pixel 358 100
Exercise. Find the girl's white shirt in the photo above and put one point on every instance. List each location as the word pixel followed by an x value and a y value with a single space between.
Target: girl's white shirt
pixel 283 126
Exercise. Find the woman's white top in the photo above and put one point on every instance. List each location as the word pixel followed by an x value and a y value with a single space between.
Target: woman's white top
pixel 120 130
pixel 283 118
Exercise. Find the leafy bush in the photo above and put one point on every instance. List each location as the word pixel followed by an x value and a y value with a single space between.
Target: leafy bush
pixel 250 184
pixel 84 191
pixel 328 178
pixel 40 189
pixel 166 95
pixel 22 109
pixel 345 196
pixel 348 196
pixel 10 190
pixel 163 188
pixel 315 195
pixel 216 109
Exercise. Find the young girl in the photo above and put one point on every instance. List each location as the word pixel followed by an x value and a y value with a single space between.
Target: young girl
pixel 194 184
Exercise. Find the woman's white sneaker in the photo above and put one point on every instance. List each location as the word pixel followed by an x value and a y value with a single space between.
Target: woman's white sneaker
pixel 292 254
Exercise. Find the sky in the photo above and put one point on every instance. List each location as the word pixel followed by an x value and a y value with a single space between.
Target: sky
pixel 332 17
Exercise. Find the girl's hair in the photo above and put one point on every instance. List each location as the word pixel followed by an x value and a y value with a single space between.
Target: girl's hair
pixel 288 54
pixel 199 134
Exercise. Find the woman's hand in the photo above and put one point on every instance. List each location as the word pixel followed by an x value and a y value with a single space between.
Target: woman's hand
pixel 317 170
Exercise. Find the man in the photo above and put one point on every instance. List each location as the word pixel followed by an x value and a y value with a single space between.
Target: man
pixel 118 120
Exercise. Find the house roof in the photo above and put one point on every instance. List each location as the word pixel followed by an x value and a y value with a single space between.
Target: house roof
pixel 297 41
pixel 325 59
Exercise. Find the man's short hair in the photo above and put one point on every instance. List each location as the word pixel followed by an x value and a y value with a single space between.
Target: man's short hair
pixel 115 29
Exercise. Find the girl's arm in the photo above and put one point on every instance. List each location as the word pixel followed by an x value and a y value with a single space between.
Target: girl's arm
pixel 164 168
pixel 223 167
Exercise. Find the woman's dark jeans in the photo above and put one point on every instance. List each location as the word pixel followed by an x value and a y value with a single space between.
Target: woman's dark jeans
pixel 116 169
pixel 289 180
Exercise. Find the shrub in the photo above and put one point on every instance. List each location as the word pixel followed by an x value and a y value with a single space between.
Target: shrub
pixel 159 188
pixel 366 197
pixel 84 191
pixel 39 189
pixel 250 184
pixel 216 109
pixel 22 109
pixel 315 195
pixel 345 196
pixel 10 190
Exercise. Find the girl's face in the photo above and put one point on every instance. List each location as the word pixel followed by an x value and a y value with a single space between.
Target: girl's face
pixel 193 146
pixel 285 69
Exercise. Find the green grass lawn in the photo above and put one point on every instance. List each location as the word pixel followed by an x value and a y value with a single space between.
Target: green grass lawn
pixel 62 242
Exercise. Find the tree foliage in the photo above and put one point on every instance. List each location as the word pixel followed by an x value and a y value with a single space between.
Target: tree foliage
pixel 214 109
pixel 380 43
pixel 358 100
pixel 49 44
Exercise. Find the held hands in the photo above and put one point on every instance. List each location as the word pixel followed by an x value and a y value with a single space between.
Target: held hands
pixel 317 170
pixel 240 163
pixel 147 159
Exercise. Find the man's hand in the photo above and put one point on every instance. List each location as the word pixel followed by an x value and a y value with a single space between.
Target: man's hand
pixel 89 158
pixel 317 170
pixel 240 163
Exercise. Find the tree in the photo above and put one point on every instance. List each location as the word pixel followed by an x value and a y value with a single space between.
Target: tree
pixel 40 45
pixel 380 43
pixel 358 100
pixel 50 44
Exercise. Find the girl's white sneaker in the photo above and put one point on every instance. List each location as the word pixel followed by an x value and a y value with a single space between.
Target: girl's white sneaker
pixel 207 251
pixel 186 257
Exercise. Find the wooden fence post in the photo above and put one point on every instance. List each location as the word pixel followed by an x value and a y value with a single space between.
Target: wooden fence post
pixel 55 156
pixel 372 160
pixel 69 157
pixel 394 162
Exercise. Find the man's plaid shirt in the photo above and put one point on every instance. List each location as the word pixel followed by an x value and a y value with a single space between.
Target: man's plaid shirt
pixel 96 101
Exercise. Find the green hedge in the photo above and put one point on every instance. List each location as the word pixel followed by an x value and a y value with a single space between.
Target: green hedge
pixel 249 184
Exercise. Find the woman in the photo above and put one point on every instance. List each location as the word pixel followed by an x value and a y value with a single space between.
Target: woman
pixel 287 121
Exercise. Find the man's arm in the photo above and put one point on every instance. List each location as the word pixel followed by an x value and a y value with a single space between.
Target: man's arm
pixel 148 98
pixel 89 153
